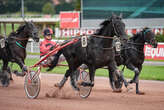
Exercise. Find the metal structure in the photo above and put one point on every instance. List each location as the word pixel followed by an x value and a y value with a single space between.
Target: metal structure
pixel 41 22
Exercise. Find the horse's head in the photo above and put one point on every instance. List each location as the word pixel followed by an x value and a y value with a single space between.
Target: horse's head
pixel 149 37
pixel 31 31
pixel 118 26
pixel 113 27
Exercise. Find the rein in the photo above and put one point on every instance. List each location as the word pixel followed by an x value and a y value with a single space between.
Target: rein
pixel 135 43
pixel 133 49
pixel 19 38
pixel 106 37
pixel 108 48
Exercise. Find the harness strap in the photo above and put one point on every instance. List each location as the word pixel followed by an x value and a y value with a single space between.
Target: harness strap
pixel 20 45
pixel 19 38
pixel 108 48
pixel 106 37
pixel 133 49
pixel 135 43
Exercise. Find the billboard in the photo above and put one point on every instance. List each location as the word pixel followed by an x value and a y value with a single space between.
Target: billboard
pixel 154 53
pixel 69 20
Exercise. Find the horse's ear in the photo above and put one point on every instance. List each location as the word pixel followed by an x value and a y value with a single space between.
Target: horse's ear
pixel 24 20
pixel 113 15
pixel 121 15
pixel 145 28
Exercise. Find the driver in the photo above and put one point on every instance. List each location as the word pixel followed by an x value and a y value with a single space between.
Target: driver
pixel 47 44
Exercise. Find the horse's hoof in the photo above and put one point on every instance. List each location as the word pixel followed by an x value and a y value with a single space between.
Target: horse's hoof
pixel 25 68
pixel 129 88
pixel 131 81
pixel 5 84
pixel 19 73
pixel 140 93
pixel 126 84
pixel 117 91
pixel 57 85
pixel 92 84
pixel 47 95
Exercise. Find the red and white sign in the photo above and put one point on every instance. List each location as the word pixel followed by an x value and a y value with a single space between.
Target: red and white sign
pixel 69 20
pixel 154 53
pixel 73 32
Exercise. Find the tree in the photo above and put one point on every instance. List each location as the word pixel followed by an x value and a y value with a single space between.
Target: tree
pixel 48 8
pixel 9 6
pixel 78 5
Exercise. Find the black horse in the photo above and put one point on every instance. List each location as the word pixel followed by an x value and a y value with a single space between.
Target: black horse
pixel 98 53
pixel 132 53
pixel 13 49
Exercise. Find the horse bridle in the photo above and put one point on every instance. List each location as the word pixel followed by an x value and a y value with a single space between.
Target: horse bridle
pixel 115 30
pixel 139 44
pixel 143 34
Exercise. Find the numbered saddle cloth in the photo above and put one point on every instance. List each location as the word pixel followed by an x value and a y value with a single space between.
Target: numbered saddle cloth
pixel 2 43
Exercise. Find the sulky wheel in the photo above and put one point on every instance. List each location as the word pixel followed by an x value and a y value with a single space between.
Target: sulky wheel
pixel 32 85
pixel 116 85
pixel 84 90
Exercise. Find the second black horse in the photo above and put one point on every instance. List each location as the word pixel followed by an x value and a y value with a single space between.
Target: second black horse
pixel 132 53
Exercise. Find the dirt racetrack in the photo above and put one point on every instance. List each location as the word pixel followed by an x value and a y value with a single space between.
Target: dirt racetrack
pixel 101 98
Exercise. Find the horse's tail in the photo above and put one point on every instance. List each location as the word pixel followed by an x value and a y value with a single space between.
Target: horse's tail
pixel 54 62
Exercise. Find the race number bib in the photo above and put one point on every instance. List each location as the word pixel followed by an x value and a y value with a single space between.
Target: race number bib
pixel 84 41
pixel 2 43
pixel 118 46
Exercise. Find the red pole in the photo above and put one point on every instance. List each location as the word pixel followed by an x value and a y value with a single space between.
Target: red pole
pixel 53 51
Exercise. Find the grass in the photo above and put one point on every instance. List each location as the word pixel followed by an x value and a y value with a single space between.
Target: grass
pixel 154 60
pixel 8 28
pixel 147 73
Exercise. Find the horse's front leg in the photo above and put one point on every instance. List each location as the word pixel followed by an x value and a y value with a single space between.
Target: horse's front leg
pixel 136 76
pixel 22 65
pixel 136 80
pixel 65 78
pixel 5 75
pixel 92 75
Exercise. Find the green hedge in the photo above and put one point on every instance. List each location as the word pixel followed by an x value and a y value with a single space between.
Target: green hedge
pixel 160 38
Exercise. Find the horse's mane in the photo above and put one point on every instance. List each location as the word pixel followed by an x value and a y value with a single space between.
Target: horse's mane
pixel 102 26
pixel 106 22
pixel 138 33
pixel 20 28
pixel 135 36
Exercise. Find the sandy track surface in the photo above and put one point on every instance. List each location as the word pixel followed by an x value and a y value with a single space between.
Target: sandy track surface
pixel 101 98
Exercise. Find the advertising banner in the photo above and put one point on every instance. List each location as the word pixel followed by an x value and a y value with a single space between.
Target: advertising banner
pixel 69 20
pixel 154 53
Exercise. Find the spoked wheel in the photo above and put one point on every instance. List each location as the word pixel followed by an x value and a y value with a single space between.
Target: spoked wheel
pixel 32 85
pixel 85 91
pixel 116 85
